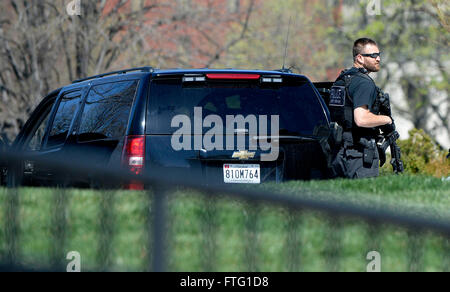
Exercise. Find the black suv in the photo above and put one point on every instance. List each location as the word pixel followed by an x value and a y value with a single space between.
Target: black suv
pixel 234 126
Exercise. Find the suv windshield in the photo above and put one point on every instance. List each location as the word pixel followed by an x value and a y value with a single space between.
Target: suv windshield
pixel 294 101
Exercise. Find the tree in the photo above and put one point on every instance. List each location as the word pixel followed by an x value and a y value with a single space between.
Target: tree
pixel 310 51
pixel 414 37
pixel 42 47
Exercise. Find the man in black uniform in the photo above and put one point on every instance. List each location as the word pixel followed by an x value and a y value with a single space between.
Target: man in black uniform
pixel 351 105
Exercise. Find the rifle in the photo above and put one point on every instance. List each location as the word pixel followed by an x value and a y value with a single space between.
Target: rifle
pixel 389 140
pixel 382 106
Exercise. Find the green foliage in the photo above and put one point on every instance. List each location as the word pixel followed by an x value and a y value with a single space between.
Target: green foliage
pixel 218 234
pixel 414 37
pixel 310 49
pixel 422 155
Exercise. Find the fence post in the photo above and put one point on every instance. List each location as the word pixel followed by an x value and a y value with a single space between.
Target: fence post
pixel 293 240
pixel 12 227
pixel 58 229
pixel 333 247
pixel 415 250
pixel 446 259
pixel 209 234
pixel 106 229
pixel 159 229
pixel 252 210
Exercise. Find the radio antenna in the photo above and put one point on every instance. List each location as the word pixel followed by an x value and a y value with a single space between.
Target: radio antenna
pixel 286 45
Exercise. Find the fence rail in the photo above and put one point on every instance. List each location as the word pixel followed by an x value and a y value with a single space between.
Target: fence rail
pixel 187 225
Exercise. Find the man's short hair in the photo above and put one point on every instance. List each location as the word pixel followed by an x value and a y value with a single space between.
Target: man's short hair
pixel 359 45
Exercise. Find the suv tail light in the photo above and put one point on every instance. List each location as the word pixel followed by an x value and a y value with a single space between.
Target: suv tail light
pixel 133 158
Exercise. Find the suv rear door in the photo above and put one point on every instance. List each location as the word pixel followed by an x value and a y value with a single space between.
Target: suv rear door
pixel 99 133
pixel 176 102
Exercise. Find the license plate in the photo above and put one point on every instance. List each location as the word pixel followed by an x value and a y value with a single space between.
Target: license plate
pixel 241 173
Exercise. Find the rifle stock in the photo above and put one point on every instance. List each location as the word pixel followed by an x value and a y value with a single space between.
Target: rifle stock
pixel 382 105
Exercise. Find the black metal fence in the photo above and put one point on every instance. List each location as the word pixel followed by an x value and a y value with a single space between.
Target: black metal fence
pixel 180 224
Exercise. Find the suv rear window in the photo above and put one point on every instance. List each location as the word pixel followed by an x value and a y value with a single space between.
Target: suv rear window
pixel 295 102
pixel 106 111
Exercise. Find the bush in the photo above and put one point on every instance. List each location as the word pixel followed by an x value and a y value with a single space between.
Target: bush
pixel 422 155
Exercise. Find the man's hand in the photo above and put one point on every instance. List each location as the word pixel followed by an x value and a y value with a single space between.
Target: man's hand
pixel 388 128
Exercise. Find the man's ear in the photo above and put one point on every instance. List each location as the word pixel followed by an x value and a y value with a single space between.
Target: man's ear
pixel 359 59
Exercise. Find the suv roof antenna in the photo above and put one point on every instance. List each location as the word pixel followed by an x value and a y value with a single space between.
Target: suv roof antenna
pixel 286 45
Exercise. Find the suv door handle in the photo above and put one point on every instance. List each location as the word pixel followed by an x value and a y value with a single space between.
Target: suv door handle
pixel 28 166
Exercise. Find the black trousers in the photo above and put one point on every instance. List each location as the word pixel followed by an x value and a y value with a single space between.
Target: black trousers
pixel 349 163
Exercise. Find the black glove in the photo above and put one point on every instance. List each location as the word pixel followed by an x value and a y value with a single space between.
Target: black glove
pixel 388 128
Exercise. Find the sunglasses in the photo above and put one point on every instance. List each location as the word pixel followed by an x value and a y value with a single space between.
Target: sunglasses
pixel 374 55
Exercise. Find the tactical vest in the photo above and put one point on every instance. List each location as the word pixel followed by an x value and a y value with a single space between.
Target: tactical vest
pixel 341 107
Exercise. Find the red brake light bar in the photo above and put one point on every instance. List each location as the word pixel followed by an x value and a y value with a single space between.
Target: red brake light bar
pixel 234 76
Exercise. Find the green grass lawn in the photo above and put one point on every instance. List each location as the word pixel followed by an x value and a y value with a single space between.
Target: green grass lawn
pixel 227 235
pixel 416 194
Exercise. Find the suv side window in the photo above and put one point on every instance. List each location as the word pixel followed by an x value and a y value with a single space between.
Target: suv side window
pixel 35 143
pixel 106 111
pixel 63 119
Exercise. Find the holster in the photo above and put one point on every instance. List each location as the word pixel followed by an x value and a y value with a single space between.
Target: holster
pixel 369 150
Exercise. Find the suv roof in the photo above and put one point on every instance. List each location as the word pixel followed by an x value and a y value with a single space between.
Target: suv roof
pixel 140 71
pixel 230 70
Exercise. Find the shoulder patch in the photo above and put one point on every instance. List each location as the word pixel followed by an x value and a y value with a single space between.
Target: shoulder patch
pixel 337 96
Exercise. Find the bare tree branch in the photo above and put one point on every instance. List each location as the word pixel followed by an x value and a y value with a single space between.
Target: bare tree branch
pixel 233 42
